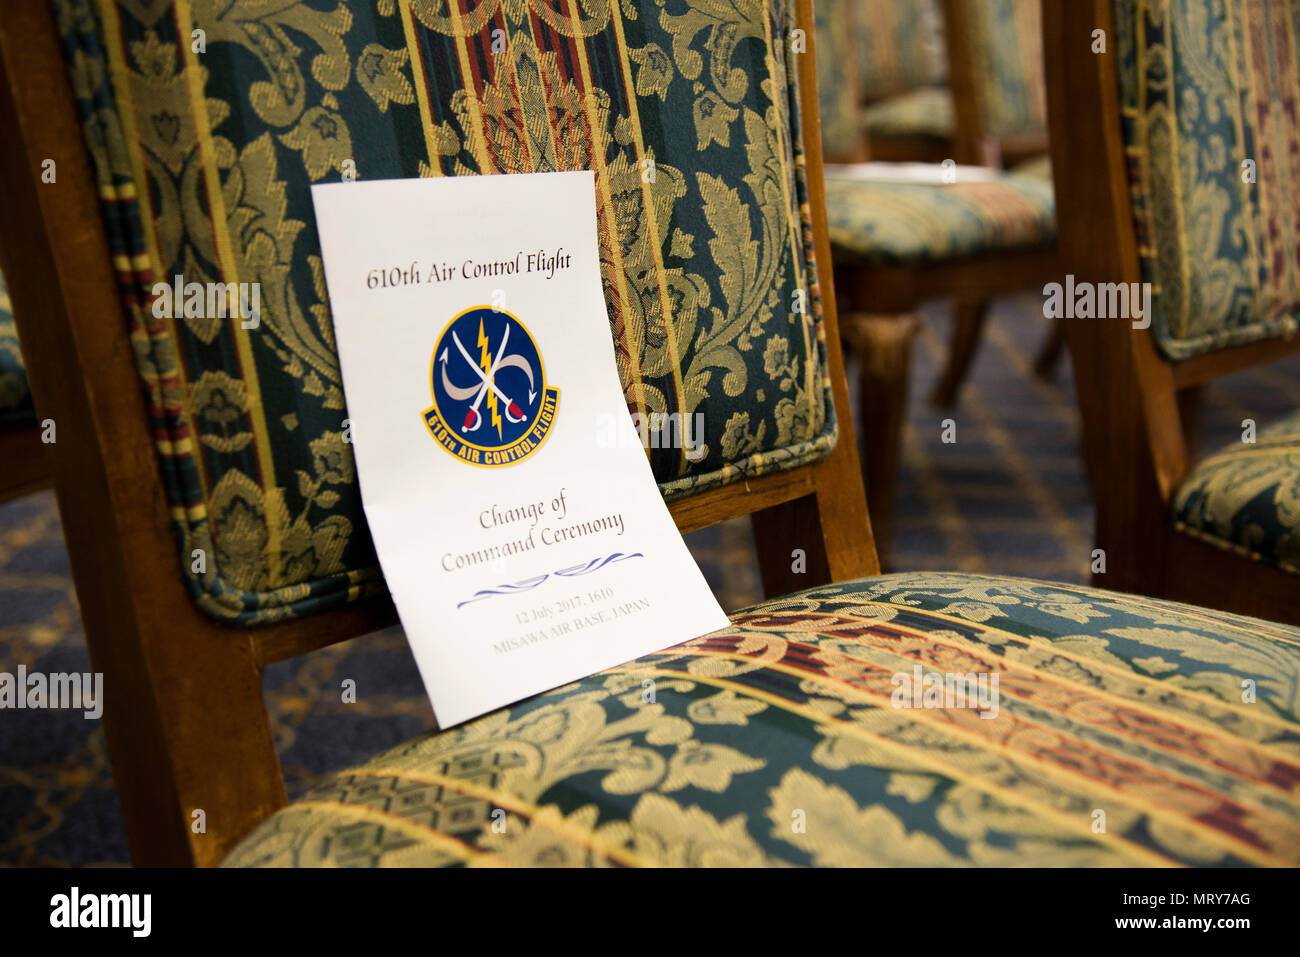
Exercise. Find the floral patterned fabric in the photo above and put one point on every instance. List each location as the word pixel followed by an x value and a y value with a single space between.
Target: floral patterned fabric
pixel 891 224
pixel 15 396
pixel 1204 86
pixel 206 144
pixel 1124 731
pixel 1246 497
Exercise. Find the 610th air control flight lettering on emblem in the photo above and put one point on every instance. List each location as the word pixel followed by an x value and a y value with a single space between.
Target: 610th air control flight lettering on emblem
pixel 524 545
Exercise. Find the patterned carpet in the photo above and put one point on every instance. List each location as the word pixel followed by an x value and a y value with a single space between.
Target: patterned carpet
pixel 1008 497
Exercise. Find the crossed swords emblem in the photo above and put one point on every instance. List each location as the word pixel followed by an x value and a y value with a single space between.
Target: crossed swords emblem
pixel 474 418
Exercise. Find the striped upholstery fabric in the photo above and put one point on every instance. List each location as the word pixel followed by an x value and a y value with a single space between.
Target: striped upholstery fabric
pixel 896 224
pixel 1246 497
pixel 822 729
pixel 687 113
pixel 1207 91
pixel 15 396
pixel 1006 39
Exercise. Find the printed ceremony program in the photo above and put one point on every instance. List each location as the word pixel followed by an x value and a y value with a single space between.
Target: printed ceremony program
pixel 523 547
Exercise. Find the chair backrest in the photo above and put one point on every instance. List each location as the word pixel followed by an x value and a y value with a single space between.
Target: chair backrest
pixel 1172 151
pixel 995 50
pixel 1207 93
pixel 899 46
pixel 702 221
pixel 195 136
pixel 843 139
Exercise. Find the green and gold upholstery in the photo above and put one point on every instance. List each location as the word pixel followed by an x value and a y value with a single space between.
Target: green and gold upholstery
pixel 1120 734
pixel 15 396
pixel 1039 168
pixel 835 22
pixel 1111 729
pixel 1246 497
pixel 1006 40
pixel 902 72
pixel 899 47
pixel 206 144
pixel 900 224
pixel 882 70
pixel 926 112
pixel 1204 86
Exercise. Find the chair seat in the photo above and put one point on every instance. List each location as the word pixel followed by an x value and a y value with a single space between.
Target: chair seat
pixel 1118 736
pixel 1037 167
pixel 1246 497
pixel 15 396
pixel 926 112
pixel 890 223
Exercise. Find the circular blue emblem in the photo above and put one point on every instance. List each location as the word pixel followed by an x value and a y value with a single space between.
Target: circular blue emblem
pixel 491 403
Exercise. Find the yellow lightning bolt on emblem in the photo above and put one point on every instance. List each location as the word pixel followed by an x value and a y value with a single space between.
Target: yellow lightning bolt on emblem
pixel 485 361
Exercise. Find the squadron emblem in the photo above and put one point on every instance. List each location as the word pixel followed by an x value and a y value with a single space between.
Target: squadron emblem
pixel 491 403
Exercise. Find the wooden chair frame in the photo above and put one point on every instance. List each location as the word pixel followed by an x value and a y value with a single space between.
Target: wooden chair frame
pixel 1138 444
pixel 24 465
pixel 185 722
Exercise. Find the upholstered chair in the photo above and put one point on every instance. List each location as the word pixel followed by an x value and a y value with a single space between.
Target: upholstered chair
pixel 896 245
pixel 802 733
pixel 1175 165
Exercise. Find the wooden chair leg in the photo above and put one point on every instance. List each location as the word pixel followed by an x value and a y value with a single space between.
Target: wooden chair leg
pixel 967 326
pixel 884 346
pixel 1049 355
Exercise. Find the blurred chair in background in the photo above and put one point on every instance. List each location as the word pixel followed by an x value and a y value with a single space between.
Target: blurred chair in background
pixel 902 79
pixel 836 26
pixel 995 69
pixel 1178 160
pixel 22 456
pixel 995 72
pixel 897 244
